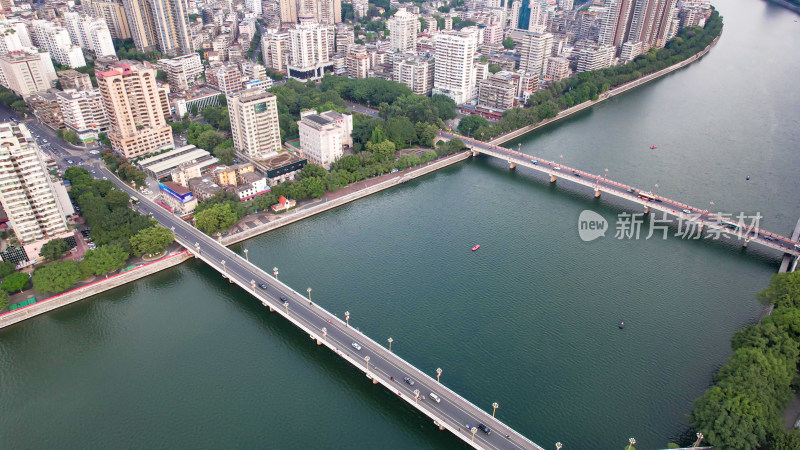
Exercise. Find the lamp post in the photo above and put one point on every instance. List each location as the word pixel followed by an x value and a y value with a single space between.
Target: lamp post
pixel 224 268
pixel 560 158
pixel 275 272
pixel 197 246
pixel 253 284
pixel 366 358
pixel 390 340
pixel 474 430
pixel 699 440
pixel 655 190
pixel 347 317
pixel 605 175
pixel 286 304
pixel 325 334
pixel 494 408
pixel 559 445
pixel 246 256
pixel 519 147
pixel 632 441
pixel 710 206
pixel 416 395
pixel 438 374
pixel 309 293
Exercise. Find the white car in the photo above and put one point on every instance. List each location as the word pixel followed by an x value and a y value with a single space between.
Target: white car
pixel 687 211
pixel 356 346
pixel 435 397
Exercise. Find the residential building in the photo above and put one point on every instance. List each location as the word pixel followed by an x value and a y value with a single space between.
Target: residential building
pixel 26 192
pixel 254 123
pixel 454 74
pixel 196 97
pixel 182 71
pixel 416 73
pixel 283 167
pixel 595 58
pixel 358 62
pixel 253 71
pixel 178 198
pixel 135 109
pixel 323 136
pixel 535 51
pixel 275 50
pixel 557 68
pixel 140 22
pixel 252 185
pixel 89 32
pixel 24 73
pixel 288 11
pixel 403 30
pixel 56 40
pixel 83 112
pixel 161 25
pixel 226 78
pixel 310 46
pixel 44 106
pixel 72 79
pixel 630 50
pixel 345 37
pixel 497 92
pixel 114 14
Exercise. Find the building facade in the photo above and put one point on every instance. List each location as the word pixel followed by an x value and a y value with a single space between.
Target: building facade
pixel 454 74
pixel 182 71
pixel 83 112
pixel 24 73
pixel 254 123
pixel 323 136
pixel 403 30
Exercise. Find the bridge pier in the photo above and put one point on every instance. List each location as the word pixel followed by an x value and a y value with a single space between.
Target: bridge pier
pixel 794 264
pixel 374 380
pixel 553 178
pixel 475 153
pixel 271 309
pixel 441 427
pixel 319 342
pixel 746 242
pixel 597 193
pixel 647 209
pixel 512 165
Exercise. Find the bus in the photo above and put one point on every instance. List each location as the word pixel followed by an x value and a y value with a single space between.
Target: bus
pixel 647 196
pixel 134 200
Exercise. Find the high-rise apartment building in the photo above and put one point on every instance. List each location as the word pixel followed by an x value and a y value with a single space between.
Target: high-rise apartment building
pixel 161 25
pixel 534 50
pixel 454 74
pixel 114 14
pixel 595 58
pixel 416 73
pixel 275 50
pixel 57 42
pixel 646 21
pixel 358 62
pixel 27 194
pixel 25 73
pixel 134 105
pixel 345 37
pixel 403 30
pixel 254 123
pixel 182 71
pixel 226 78
pixel 288 11
pixel 311 46
pixel 90 32
pixel 83 112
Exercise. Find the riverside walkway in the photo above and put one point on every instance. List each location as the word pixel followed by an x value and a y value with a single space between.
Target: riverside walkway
pixel 453 412
pixel 703 218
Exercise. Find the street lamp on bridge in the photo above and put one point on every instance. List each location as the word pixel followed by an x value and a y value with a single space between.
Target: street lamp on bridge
pixel 494 408
pixel 324 333
pixel 559 445
pixel 605 175
pixel 390 340
pixel 655 191
pixel 275 272
pixel 699 440
pixel 438 374
pixel 630 445
pixel 253 284
pixel 286 304
pixel 197 247
pixel 366 358
pixel 347 317
pixel 560 158
pixel 474 430
pixel 416 395
pixel 309 294
pixel 245 255
pixel 224 268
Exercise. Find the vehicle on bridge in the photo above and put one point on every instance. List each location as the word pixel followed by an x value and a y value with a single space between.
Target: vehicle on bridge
pixel 647 196
pixel 262 286
pixel 435 397
pixel 408 380
pixel 356 346
pixel 485 429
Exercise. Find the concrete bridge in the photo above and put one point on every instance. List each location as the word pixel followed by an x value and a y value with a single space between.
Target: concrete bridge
pixel 703 218
pixel 380 365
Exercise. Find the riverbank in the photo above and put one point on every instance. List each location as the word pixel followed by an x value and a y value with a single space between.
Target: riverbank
pixel 347 195
pixel 103 285
pixel 603 97
pixel 785 4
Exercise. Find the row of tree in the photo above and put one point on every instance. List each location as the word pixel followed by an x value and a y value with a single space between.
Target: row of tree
pixel 124 169
pixel 587 86
pixel 743 409
pixel 13 101
pixel 117 230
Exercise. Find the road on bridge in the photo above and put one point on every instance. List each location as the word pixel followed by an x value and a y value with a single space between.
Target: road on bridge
pixel 453 412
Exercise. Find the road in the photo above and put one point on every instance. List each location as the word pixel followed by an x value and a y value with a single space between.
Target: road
pixel 686 213
pixel 454 412
pixel 362 109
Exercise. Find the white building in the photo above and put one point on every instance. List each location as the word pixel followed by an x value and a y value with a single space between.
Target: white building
pixel 182 71
pixel 416 73
pixel 595 58
pixel 89 32
pixel 83 112
pixel 311 46
pixel 254 122
pixel 535 50
pixel 323 136
pixel 454 75
pixel 403 30
pixel 56 40
pixel 358 62
pixel 26 192
pixel 26 73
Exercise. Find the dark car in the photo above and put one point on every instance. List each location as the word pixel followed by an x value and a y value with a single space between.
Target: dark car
pixel 262 285
pixel 283 299
pixel 484 428
pixel 409 381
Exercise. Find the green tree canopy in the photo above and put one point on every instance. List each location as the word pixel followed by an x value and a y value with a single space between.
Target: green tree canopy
pixel 151 241
pixel 54 249
pixel 15 282
pixel 469 124
pixel 4 299
pixel 56 277
pixel 106 258
pixel 217 218
pixel 6 268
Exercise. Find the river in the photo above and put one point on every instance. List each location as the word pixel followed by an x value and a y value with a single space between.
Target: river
pixel 182 359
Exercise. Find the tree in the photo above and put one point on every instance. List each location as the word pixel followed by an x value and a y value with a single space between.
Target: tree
pixel 383 151
pixel 117 199
pixel 161 75
pixel 15 282
pixel 508 43
pixel 471 123
pixel 209 139
pixel 151 241
pixel 215 219
pixel 53 249
pixel 784 290
pixel 494 68
pixel 106 258
pixel 4 299
pixel 7 268
pixel 103 138
pixel 56 277
pixel 312 171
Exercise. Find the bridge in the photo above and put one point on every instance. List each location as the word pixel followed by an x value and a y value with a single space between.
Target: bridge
pixel 380 365
pixel 703 218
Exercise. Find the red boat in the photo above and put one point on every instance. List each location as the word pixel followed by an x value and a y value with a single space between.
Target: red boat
pixel 476 247
pixel 653 147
